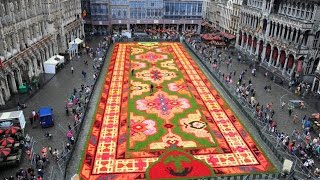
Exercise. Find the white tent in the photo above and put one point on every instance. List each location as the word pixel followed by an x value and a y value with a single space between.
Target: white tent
pixel 14 116
pixel 74 45
pixel 76 41
pixel 50 65
pixel 59 58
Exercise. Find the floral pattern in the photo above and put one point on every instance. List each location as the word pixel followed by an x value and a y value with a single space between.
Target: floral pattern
pixel 140 129
pixel 151 57
pixel 162 104
pixel 178 86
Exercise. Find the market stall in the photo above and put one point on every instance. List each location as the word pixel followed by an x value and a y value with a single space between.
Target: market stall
pixel 74 45
pixel 50 66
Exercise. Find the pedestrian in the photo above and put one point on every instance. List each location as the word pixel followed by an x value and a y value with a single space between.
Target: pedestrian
pixel 151 88
pixel 71 69
pixel 132 72
pixel 84 74
pixel 290 111
pixel 283 104
pixel 295 119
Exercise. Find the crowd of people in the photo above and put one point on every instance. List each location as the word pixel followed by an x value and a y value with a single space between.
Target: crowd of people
pixel 299 144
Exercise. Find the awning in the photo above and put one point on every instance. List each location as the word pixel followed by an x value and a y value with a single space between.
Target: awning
pixel 76 41
pixel 299 67
pixel 227 35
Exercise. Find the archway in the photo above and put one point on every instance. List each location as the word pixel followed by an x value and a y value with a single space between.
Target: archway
pixel 282 58
pixel 260 48
pixel 254 44
pixel 268 51
pixel 299 65
pixel 249 41
pixel 315 66
pixel 290 62
pixel 274 56
pixel 264 27
pixel 240 38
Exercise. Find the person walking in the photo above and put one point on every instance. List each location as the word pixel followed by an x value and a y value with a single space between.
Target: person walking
pixel 71 69
pixel 283 104
pixel 295 119
pixel 290 111
pixel 132 72
pixel 151 88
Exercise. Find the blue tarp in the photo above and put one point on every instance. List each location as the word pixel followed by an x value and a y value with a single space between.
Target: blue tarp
pixel 45 111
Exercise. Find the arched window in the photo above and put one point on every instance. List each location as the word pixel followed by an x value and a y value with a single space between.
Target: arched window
pixel 316 40
pixel 303 10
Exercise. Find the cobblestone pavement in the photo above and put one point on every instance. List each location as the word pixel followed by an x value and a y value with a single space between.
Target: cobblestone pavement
pixel 55 94
pixel 278 93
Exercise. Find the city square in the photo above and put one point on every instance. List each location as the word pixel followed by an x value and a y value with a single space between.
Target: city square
pixel 104 89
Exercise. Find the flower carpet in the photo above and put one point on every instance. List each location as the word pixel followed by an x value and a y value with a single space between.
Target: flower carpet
pixel 159 117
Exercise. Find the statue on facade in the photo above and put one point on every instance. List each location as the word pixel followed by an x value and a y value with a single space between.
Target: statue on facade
pixel 11 5
pixel 2 10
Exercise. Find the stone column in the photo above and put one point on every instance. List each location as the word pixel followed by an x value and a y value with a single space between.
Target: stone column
pixel 6 89
pixel 251 48
pixel 247 42
pixel 2 102
pixel 19 77
pixel 13 83
pixel 30 72
pixel 271 54
pixel 2 51
pixel 263 56
pixel 242 41
pixel 276 29
pixel 281 28
pixel 291 35
pixel 16 42
pixel 285 65
pixel 258 46
pixel 278 59
pixel 237 39
pixel 282 34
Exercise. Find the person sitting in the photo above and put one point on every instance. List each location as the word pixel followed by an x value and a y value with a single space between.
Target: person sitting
pixel 302 106
pixel 317 172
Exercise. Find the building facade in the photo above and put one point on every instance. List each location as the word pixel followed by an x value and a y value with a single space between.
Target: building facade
pixel 282 35
pixel 225 15
pixel 32 31
pixel 138 15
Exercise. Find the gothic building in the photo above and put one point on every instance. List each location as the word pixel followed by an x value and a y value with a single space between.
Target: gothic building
pixel 224 15
pixel 32 31
pixel 283 36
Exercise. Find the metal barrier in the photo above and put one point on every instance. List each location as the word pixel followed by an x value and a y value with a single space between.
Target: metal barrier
pixel 261 127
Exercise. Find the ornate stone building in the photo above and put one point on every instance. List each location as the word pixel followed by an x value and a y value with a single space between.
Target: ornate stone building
pixel 32 31
pixel 225 15
pixel 282 35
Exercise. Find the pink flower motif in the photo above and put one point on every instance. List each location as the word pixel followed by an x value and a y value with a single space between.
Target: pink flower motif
pixel 176 87
pixel 163 105
pixel 147 127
